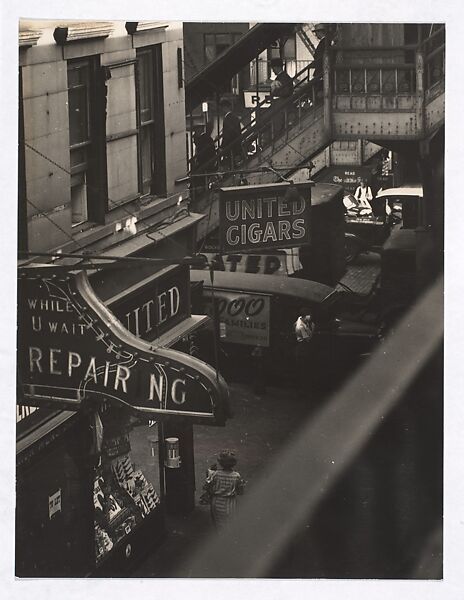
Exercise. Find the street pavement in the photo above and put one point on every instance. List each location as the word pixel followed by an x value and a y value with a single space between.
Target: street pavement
pixel 260 427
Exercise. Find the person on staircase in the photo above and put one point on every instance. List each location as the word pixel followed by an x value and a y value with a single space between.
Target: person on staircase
pixel 281 90
pixel 231 144
pixel 204 160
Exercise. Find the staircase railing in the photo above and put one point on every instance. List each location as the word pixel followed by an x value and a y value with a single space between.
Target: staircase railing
pixel 264 128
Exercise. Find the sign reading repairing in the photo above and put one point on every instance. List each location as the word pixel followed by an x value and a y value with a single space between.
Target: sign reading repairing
pixel 71 348
pixel 255 217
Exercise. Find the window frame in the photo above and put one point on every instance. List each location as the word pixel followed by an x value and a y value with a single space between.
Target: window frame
pixel 154 125
pixel 93 168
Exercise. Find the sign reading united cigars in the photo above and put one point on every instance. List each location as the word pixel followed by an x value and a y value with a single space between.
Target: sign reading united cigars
pixel 72 348
pixel 274 215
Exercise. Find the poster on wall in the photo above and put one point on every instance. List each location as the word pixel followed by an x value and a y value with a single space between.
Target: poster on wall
pixel 244 318
pixel 257 217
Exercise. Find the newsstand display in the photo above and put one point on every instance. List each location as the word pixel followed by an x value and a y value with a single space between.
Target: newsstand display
pixel 127 489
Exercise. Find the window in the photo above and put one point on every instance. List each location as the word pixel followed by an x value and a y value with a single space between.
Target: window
pixel 86 142
pixel 216 44
pixel 150 114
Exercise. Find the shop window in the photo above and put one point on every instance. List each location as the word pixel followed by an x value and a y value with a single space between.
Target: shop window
pixel 86 141
pixel 150 115
pixel 127 483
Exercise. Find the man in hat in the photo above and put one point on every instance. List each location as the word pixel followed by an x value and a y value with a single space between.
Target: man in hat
pixel 281 90
pixel 231 144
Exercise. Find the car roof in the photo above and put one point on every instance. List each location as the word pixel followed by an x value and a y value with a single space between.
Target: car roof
pixel 300 289
pixel 413 190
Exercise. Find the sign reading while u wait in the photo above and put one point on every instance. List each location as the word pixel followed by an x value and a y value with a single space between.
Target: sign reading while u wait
pixel 71 348
pixel 273 215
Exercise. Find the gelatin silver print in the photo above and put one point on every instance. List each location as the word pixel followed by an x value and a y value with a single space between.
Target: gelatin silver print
pixel 230 300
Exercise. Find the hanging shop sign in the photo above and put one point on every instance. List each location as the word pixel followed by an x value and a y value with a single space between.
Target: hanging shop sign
pixel 256 217
pixel 157 305
pixel 347 177
pixel 279 262
pixel 244 318
pixel 72 349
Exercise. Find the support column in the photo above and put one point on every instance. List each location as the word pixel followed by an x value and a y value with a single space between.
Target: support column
pixel 180 482
pixel 420 94
pixel 327 94
pixel 430 233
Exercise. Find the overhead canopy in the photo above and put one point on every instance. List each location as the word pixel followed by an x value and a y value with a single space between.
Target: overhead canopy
pixel 220 71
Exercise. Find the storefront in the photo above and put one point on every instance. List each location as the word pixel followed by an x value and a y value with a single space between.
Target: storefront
pixel 98 459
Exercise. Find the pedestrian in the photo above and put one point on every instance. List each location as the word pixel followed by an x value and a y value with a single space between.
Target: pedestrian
pixel 304 328
pixel 281 90
pixel 223 485
pixel 204 160
pixel 231 144
pixel 363 195
pixel 326 36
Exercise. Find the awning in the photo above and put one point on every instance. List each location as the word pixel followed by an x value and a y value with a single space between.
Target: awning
pixel 221 70
pixel 181 330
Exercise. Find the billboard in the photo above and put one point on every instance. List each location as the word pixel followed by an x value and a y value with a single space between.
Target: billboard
pixel 257 217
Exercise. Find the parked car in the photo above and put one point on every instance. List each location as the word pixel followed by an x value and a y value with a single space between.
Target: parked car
pixel 261 310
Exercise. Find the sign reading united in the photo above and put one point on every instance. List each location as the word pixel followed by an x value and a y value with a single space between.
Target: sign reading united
pixel 256 217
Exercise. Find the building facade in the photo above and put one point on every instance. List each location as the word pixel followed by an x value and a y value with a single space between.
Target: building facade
pixel 103 129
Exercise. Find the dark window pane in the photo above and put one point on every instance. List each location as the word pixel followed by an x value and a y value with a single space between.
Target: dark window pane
pixel 146 158
pixel 373 81
pixel 78 75
pixel 78 116
pixel 342 81
pixel 357 81
pixel 223 39
pixel 388 81
pixel 404 81
pixel 289 50
pixel 146 86
pixel 210 53
pixel 78 157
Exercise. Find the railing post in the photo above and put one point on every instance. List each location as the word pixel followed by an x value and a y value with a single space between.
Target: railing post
pixel 420 94
pixel 327 94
